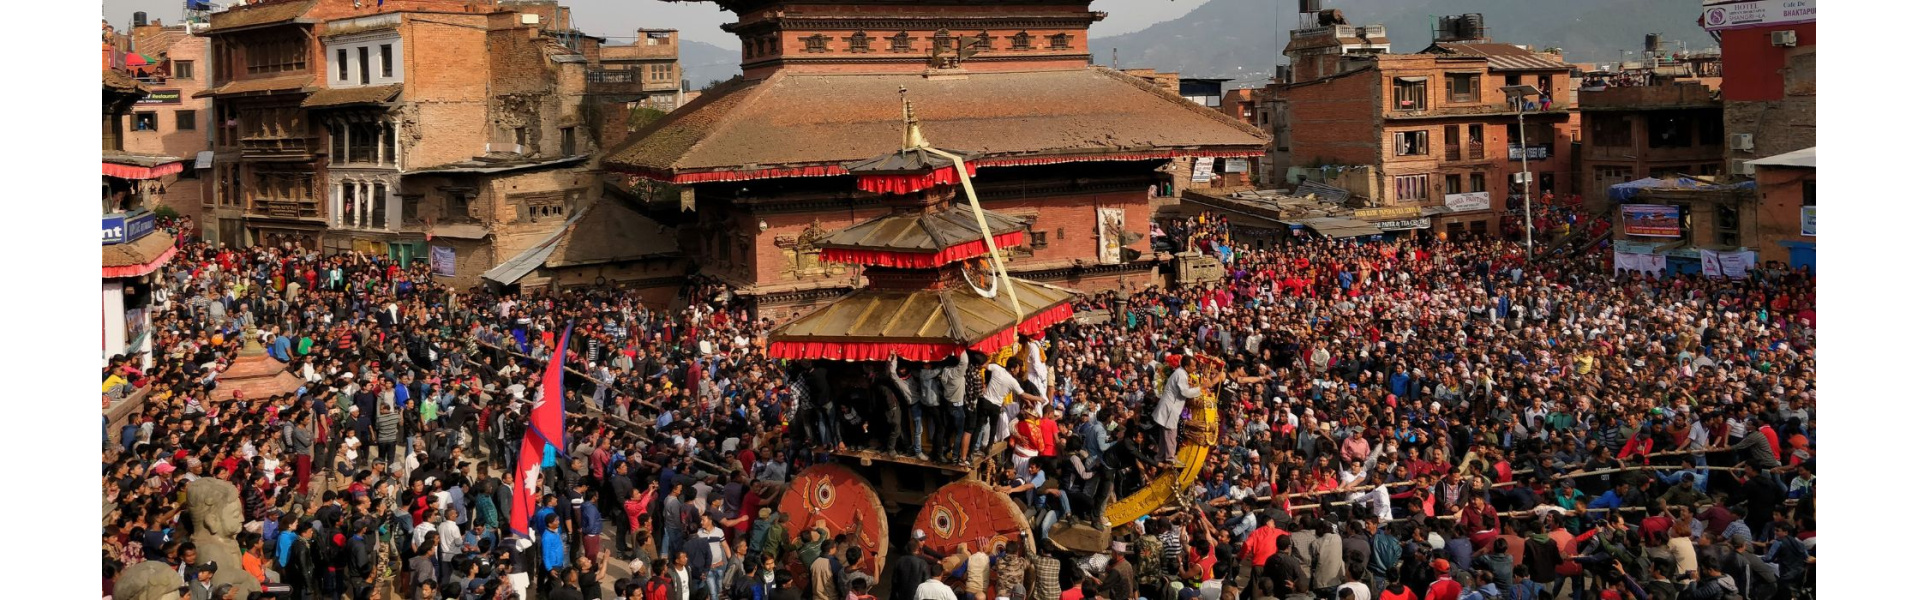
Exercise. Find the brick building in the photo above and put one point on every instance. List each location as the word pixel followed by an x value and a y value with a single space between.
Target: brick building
pixel 344 121
pixel 646 72
pixel 1430 130
pixel 1785 213
pixel 1635 132
pixel 170 120
pixel 1068 149
pixel 1767 65
pixel 131 247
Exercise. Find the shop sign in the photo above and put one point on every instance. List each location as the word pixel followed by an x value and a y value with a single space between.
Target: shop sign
pixel 1387 213
pixel 160 97
pixel 1806 221
pixel 121 228
pixel 1469 201
pixel 1405 224
pixel 1763 13
pixel 1236 165
pixel 1202 170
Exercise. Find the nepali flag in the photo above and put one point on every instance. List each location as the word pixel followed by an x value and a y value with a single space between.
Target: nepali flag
pixel 548 420
pixel 526 485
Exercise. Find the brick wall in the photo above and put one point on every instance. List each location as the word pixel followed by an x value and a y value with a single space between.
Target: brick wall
pixel 1335 121
pixel 1781 196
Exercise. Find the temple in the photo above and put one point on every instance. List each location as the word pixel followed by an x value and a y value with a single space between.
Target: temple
pixel 788 168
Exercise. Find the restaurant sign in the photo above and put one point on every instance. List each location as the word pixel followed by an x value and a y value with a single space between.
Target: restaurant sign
pixel 120 228
pixel 160 97
pixel 1387 213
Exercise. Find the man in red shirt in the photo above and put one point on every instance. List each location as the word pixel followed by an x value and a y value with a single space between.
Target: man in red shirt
pixel 1443 587
pixel 1263 542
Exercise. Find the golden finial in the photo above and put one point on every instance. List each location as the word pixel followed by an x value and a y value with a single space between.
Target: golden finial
pixel 910 138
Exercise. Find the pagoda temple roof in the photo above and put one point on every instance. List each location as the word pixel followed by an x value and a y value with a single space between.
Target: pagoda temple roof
pixel 923 325
pixel 905 160
pixel 812 124
pixel 920 232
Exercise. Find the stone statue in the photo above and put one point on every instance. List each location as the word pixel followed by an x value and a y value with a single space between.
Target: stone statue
pixel 217 518
pixel 151 580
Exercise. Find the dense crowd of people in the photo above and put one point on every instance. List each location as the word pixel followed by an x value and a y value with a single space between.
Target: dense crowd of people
pixel 1401 419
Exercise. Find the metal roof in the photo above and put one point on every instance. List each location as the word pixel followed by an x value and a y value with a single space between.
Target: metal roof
pixel 1802 158
pixel 915 232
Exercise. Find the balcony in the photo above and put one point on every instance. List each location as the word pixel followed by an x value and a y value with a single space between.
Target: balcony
pixel 277 148
pixel 1539 152
pixel 631 80
pixel 1473 151
pixel 285 209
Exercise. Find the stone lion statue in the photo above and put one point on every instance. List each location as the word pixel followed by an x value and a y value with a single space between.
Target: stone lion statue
pixel 151 580
pixel 217 517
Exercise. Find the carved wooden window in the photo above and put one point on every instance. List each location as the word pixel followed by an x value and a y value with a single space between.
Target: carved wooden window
pixel 816 43
pixel 859 42
pixel 901 43
pixel 1022 41
pixel 942 41
pixel 1058 41
pixel 982 42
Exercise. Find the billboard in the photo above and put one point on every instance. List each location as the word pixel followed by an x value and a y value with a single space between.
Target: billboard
pixel 1651 220
pixel 1736 15
pixel 121 228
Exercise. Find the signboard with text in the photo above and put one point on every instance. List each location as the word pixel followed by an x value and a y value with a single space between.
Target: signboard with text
pixel 1236 165
pixel 440 258
pixel 1469 201
pixel 1387 213
pixel 1651 220
pixel 160 97
pixel 1202 170
pixel 1806 221
pixel 120 228
pixel 1405 224
pixel 1735 15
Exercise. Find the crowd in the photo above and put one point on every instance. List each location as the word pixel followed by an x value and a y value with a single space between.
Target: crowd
pixel 1402 419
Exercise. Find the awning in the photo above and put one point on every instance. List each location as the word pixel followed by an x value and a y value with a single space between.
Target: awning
pixel 1337 228
pixel 128 171
pixel 1802 158
pixel 331 97
pixel 203 160
pixel 510 272
pixel 137 258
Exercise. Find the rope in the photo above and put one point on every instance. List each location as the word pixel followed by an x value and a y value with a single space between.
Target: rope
pixel 986 233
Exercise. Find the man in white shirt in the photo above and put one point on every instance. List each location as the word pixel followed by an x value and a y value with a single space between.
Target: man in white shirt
pixel 999 385
pixel 1174 394
pixel 934 589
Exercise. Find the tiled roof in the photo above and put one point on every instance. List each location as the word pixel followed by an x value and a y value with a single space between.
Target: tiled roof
pixel 355 95
pixel 120 82
pixel 930 232
pixel 793 119
pixel 254 15
pixel 140 252
pixel 1503 57
pixel 283 83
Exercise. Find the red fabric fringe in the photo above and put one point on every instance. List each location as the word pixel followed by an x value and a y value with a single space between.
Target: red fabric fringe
pixel 138 270
pixel 923 352
pixel 832 170
pixel 920 260
pixel 907 184
pixel 139 172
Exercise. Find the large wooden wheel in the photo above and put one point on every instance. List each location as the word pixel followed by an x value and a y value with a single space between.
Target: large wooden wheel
pixel 970 512
pixel 836 498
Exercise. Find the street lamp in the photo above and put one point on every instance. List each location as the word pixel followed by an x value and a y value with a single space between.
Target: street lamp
pixel 1520 93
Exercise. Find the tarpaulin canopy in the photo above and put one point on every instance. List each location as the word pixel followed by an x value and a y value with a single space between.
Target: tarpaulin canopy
pixel 1622 192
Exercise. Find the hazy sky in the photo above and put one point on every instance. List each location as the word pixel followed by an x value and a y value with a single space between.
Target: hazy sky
pixel 616 19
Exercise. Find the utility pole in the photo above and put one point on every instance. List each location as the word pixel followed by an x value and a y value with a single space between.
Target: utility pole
pixel 1517 94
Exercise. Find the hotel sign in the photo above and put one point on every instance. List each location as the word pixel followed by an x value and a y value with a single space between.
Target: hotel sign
pixel 1736 15
pixel 121 228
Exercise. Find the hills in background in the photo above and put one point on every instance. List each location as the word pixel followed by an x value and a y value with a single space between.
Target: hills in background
pixel 702 64
pixel 1237 38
